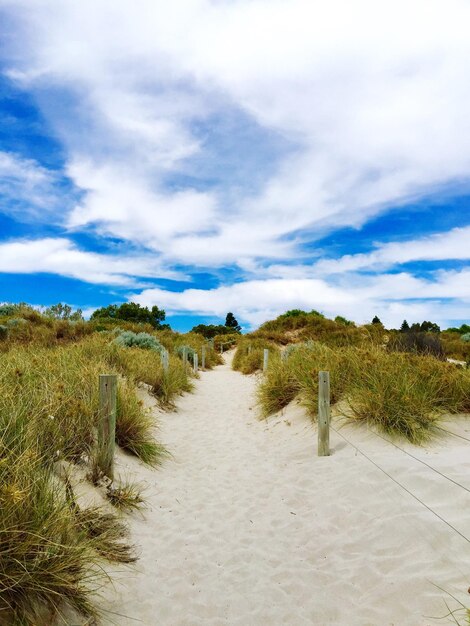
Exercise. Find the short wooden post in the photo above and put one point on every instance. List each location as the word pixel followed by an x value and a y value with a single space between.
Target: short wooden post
pixel 265 359
pixel 185 357
pixel 221 348
pixel 195 362
pixel 107 424
pixel 203 358
pixel 249 348
pixel 323 413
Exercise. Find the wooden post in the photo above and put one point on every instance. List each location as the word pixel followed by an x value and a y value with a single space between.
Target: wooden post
pixel 323 413
pixel 195 362
pixel 265 359
pixel 221 348
pixel 107 424
pixel 164 358
pixel 203 358
pixel 283 356
pixel 249 348
pixel 185 357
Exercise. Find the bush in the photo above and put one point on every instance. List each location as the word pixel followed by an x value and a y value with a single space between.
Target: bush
pixel 465 337
pixel 138 340
pixel 8 309
pixel 417 343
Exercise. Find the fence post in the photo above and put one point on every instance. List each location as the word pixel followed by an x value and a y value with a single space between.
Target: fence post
pixel 221 348
pixel 185 357
pixel 107 424
pixel 323 413
pixel 195 362
pixel 203 358
pixel 249 348
pixel 164 358
pixel 265 359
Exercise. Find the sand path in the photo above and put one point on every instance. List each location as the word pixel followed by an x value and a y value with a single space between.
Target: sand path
pixel 247 526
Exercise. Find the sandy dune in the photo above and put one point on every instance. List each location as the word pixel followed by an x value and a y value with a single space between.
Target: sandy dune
pixel 247 526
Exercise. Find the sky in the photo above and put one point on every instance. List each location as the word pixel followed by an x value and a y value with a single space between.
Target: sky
pixel 251 156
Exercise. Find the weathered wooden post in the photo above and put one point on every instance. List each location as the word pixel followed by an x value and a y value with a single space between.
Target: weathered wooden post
pixel 221 348
pixel 185 357
pixel 265 359
pixel 203 358
pixel 195 362
pixel 323 413
pixel 249 348
pixel 165 361
pixel 107 424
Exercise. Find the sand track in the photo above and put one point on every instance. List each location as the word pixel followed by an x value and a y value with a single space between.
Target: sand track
pixel 246 526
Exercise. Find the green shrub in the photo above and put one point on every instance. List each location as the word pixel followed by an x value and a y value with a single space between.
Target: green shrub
pixel 138 340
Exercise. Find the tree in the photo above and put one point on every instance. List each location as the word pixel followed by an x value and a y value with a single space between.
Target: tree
pixel 376 320
pixel 405 327
pixel 231 322
pixel 132 312
pixel 339 319
pixel 430 327
pixel 211 330
pixel 58 311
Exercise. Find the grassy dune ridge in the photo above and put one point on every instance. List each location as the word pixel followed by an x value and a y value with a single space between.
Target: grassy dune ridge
pixel 400 393
pixel 403 393
pixel 52 550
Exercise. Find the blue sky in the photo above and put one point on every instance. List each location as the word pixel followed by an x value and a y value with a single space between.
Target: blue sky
pixel 242 155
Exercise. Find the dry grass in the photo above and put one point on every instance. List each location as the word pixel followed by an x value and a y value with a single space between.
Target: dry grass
pixel 51 552
pixel 250 352
pixel 402 394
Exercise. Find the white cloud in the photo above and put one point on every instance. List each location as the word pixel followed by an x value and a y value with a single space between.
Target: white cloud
pixel 392 297
pixel 454 244
pixel 61 256
pixel 26 188
pixel 373 94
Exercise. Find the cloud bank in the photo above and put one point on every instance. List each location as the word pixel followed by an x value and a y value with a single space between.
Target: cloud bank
pixel 344 111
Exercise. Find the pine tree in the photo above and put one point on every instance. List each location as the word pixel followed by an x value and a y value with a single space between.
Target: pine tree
pixel 376 320
pixel 231 322
pixel 405 327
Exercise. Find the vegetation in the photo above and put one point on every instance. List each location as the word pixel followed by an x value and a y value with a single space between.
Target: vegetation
pixel 131 312
pixel 232 323
pixel 398 380
pixel 139 340
pixel 209 331
pixel 51 548
pixel 401 394
pixel 249 355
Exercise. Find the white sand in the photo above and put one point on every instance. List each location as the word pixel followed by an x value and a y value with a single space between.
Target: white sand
pixel 247 526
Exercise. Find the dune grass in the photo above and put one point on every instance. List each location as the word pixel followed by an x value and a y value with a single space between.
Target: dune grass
pixel 51 551
pixel 401 394
pixel 249 354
